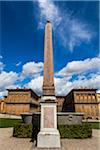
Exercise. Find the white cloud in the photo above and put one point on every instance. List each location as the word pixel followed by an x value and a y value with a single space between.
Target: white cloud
pixel 12 79
pixel 82 66
pixel 7 80
pixel 48 11
pixel 32 69
pixel 98 91
pixel 93 82
pixel 63 86
pixel 36 84
pixel 63 83
pixel 79 33
pixel 71 31
pixel 18 64
pixel 3 93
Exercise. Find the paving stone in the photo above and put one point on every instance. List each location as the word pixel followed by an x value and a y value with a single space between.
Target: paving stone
pixel 7 142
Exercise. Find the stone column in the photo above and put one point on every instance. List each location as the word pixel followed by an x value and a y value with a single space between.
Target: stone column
pixel 48 136
pixel 48 81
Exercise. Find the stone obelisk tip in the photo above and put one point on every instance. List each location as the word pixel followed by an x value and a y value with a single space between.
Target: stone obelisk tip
pixel 48 21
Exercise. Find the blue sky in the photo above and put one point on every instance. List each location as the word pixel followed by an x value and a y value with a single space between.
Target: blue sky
pixel 75 44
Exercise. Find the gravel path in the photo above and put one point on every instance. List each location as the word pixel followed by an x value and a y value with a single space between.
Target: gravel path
pixel 9 116
pixel 7 142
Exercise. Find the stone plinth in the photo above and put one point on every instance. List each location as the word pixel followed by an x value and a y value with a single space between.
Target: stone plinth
pixel 65 118
pixel 48 136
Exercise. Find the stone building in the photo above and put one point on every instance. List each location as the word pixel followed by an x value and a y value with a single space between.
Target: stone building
pixel 20 100
pixel 98 100
pixel 77 100
pixel 82 100
pixel 60 100
pixel 98 96
pixel 1 105
pixel 24 100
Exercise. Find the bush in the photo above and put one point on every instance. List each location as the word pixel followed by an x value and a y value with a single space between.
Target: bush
pixel 22 130
pixel 75 131
pixel 81 131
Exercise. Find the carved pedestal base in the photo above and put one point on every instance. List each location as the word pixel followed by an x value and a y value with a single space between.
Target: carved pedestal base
pixel 48 139
pixel 48 136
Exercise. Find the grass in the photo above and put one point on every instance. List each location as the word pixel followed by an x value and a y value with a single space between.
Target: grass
pixel 95 125
pixel 8 122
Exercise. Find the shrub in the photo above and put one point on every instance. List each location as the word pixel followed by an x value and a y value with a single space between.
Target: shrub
pixel 22 130
pixel 75 131
pixel 66 131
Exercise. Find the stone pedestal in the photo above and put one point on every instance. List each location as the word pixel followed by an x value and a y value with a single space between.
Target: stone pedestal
pixel 48 136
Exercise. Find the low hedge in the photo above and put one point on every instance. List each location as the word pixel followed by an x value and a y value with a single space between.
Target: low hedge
pixel 22 130
pixel 75 131
pixel 66 131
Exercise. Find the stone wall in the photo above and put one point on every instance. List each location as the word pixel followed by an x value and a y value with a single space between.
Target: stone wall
pixel 69 118
pixel 16 109
pixel 62 118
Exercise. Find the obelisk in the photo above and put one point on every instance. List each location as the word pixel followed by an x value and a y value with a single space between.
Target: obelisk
pixel 48 136
pixel 48 81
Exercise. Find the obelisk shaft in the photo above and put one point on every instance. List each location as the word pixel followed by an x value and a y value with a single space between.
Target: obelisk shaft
pixel 48 81
pixel 49 136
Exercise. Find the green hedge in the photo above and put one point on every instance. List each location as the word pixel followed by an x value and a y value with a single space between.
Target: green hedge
pixel 66 131
pixel 22 130
pixel 75 131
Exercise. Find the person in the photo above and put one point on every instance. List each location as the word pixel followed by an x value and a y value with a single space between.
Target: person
pixel 35 128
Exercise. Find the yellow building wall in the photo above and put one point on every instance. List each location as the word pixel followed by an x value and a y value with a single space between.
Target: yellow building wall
pixel 18 102
pixel 18 97
pixel 98 100
pixel 89 110
pixel 16 109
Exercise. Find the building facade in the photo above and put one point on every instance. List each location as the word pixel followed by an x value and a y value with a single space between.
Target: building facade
pixel 24 100
pixel 77 100
pixel 1 105
pixel 82 100
pixel 19 101
pixel 98 100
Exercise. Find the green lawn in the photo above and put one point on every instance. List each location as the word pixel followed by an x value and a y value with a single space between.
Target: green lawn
pixel 95 125
pixel 8 122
